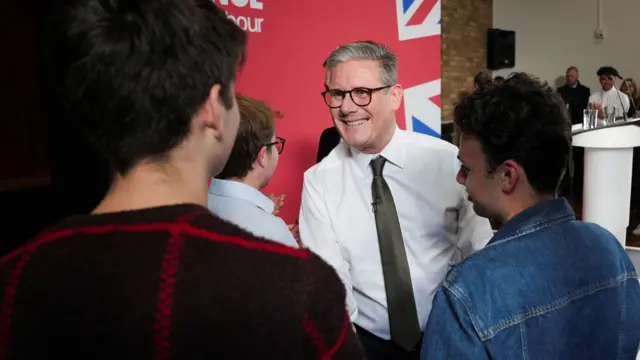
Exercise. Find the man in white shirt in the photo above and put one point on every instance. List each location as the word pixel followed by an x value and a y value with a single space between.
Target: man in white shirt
pixel 425 210
pixel 609 95
pixel 234 195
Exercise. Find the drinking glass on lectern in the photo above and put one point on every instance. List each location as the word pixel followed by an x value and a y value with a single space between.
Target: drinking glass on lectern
pixel 593 118
pixel 609 114
pixel 586 118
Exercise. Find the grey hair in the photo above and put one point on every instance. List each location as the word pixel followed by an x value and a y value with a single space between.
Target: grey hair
pixel 367 50
pixel 572 68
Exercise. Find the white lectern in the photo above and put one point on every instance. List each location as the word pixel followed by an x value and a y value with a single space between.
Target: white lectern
pixel 608 162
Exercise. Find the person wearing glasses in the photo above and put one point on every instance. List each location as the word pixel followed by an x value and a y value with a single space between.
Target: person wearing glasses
pixel 384 208
pixel 234 194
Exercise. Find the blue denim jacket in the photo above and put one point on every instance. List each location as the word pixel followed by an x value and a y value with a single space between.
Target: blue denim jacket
pixel 546 287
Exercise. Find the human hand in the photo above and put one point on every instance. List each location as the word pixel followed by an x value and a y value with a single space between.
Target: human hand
pixel 595 106
pixel 278 202
pixel 295 231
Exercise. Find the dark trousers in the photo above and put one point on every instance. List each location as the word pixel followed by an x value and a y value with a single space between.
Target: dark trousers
pixel 380 349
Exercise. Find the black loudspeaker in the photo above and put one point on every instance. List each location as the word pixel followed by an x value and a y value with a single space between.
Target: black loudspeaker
pixel 501 49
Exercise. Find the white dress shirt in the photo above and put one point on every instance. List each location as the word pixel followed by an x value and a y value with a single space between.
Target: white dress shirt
pixel 437 221
pixel 610 98
pixel 248 208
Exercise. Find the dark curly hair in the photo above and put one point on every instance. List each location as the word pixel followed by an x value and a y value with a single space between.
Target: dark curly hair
pixel 607 71
pixel 522 120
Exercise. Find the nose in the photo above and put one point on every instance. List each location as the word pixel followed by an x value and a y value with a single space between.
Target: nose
pixel 348 106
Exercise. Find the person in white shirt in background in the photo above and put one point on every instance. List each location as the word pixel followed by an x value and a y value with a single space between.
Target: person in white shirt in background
pixel 609 95
pixel 437 223
pixel 234 195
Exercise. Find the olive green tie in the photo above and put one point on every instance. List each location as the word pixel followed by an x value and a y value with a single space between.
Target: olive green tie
pixel 401 304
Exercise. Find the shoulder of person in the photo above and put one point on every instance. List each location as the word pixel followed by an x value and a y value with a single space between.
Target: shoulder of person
pixel 430 144
pixel 295 280
pixel 285 264
pixel 478 268
pixel 330 161
pixel 217 229
pixel 325 276
pixel 420 139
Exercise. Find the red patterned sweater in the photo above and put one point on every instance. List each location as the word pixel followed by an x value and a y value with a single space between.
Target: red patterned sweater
pixel 174 282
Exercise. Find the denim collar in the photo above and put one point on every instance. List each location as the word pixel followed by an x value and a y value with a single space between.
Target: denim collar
pixel 534 218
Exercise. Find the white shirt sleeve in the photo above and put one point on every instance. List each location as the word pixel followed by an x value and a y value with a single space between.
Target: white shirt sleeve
pixel 316 233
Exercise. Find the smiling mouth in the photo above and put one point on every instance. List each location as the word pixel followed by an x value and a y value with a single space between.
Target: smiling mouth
pixel 354 122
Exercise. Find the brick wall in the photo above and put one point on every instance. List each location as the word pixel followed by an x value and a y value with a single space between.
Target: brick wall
pixel 464 28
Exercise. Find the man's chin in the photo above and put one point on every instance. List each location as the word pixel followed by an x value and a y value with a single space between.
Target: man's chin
pixel 349 136
pixel 355 143
pixel 480 210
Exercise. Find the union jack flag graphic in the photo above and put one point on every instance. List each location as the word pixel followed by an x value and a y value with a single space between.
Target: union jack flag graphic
pixel 419 27
pixel 418 18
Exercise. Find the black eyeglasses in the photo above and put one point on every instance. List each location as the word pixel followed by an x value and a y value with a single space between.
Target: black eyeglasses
pixel 360 96
pixel 279 144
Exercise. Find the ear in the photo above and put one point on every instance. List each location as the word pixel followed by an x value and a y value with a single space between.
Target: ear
pixel 396 93
pixel 510 176
pixel 261 159
pixel 210 114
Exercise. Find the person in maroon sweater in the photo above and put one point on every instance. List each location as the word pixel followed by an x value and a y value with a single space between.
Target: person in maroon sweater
pixel 151 273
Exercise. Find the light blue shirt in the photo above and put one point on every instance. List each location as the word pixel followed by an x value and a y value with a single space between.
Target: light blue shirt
pixel 249 209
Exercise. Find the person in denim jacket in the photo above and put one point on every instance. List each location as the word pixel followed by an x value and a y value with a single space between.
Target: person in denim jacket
pixel 546 286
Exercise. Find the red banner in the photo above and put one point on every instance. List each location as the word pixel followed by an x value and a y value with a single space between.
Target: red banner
pixel 289 40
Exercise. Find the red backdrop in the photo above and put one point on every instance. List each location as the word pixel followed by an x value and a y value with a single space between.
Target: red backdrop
pixel 289 40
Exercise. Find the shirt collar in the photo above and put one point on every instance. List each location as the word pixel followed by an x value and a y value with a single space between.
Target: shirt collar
pixel 535 218
pixel 394 152
pixel 238 190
